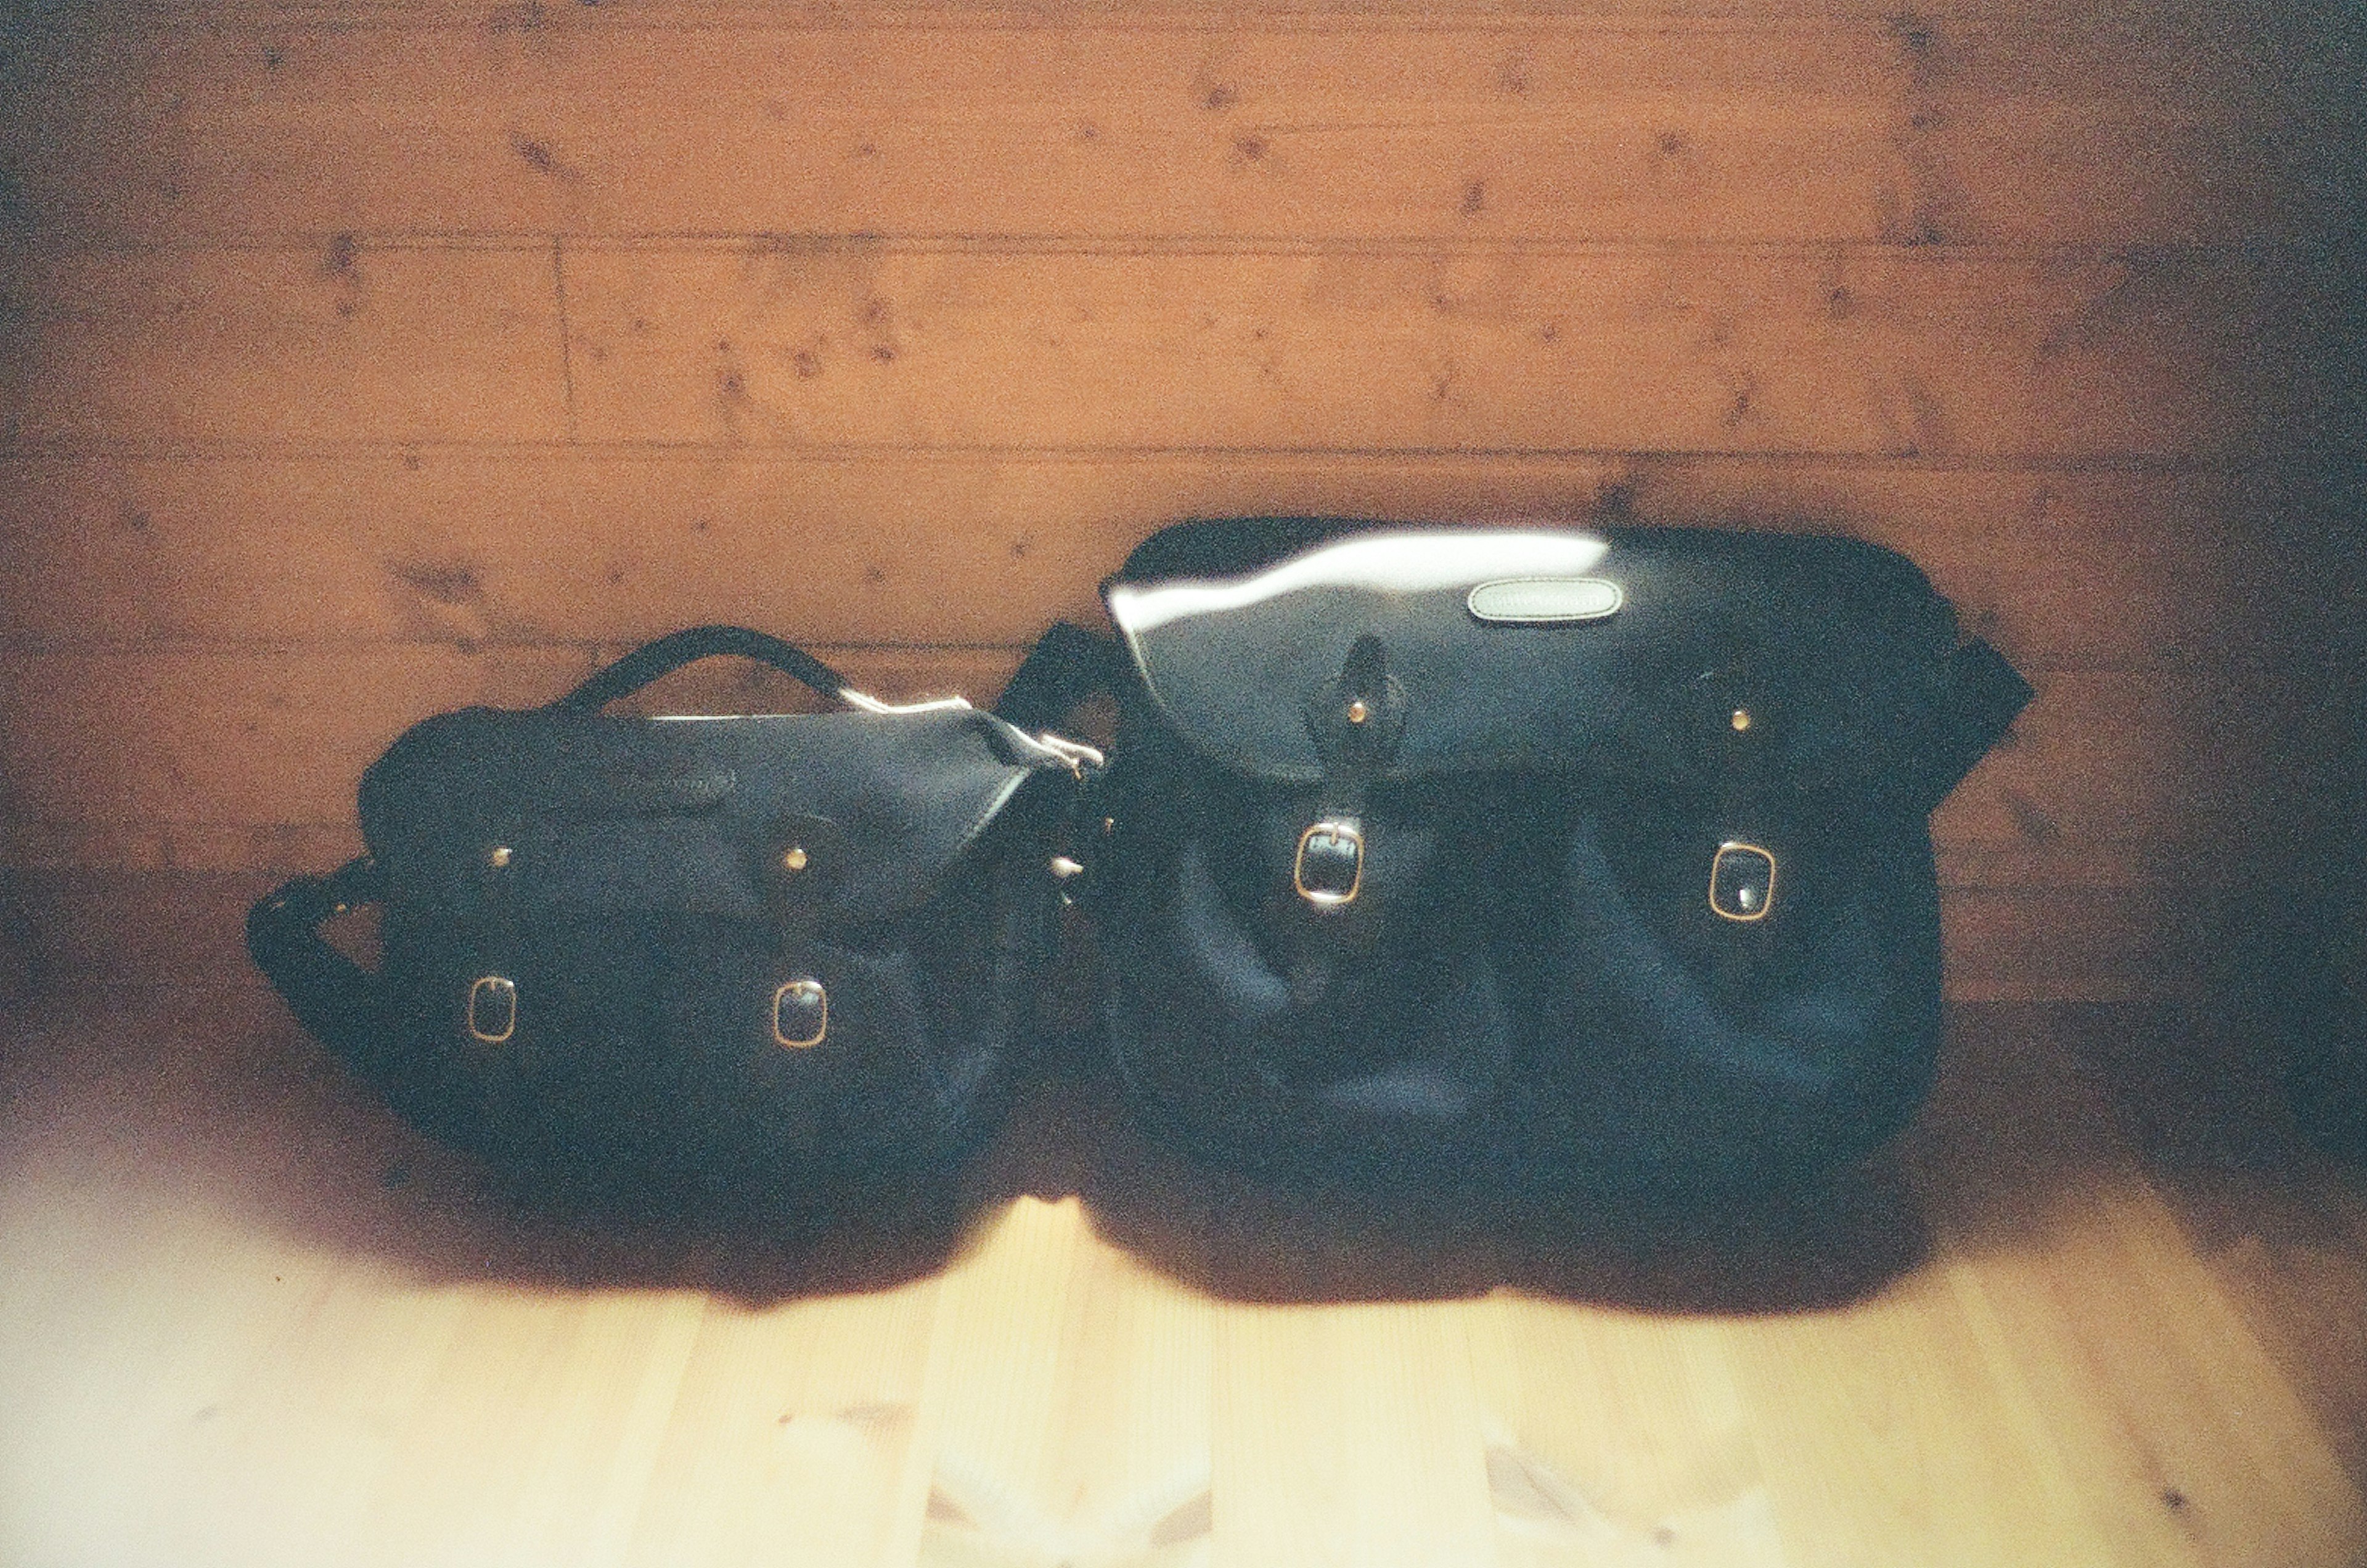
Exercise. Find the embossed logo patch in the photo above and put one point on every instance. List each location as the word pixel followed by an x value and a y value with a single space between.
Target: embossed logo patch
pixel 1537 600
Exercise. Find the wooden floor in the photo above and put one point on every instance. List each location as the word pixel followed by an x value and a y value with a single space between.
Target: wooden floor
pixel 2088 1316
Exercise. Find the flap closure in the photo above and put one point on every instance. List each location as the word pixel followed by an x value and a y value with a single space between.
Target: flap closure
pixel 822 817
pixel 1802 661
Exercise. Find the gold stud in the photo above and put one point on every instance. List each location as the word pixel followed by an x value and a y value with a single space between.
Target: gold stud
pixel 796 859
pixel 1357 712
pixel 1741 719
pixel 499 856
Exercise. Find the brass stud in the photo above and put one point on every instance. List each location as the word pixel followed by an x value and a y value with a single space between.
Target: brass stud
pixel 796 859
pixel 1742 720
pixel 1357 712
pixel 499 855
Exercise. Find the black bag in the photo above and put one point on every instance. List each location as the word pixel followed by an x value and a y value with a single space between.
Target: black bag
pixel 1565 859
pixel 754 963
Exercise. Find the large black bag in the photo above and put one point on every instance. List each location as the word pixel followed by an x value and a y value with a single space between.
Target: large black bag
pixel 1562 860
pixel 758 964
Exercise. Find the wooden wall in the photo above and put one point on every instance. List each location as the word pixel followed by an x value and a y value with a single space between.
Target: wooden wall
pixel 362 360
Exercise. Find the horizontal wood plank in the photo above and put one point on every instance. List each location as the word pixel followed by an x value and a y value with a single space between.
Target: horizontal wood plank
pixel 637 120
pixel 788 344
pixel 784 343
pixel 249 1320
pixel 2060 570
pixel 278 343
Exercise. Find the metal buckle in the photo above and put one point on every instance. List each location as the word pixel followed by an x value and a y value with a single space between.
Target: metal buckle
pixel 804 994
pixel 1747 893
pixel 1344 832
pixel 499 994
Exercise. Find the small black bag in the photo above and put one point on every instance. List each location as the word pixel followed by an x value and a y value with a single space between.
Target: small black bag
pixel 1565 859
pixel 753 963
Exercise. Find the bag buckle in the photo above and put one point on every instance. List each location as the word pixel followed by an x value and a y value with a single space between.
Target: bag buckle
pixel 492 1008
pixel 801 1013
pixel 1741 882
pixel 1330 867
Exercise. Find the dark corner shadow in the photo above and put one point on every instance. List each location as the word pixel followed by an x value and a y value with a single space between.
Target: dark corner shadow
pixel 276 1130
pixel 2205 1107
pixel 1239 1238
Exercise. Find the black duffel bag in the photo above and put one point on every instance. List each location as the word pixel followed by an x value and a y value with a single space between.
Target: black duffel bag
pixel 1562 860
pixel 756 965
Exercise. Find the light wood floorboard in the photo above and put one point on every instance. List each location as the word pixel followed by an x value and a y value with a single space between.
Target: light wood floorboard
pixel 2077 1318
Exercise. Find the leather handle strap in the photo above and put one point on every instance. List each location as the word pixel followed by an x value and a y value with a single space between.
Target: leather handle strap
pixel 671 652
pixel 1066 665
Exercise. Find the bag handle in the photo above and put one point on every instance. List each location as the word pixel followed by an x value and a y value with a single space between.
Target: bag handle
pixel 671 652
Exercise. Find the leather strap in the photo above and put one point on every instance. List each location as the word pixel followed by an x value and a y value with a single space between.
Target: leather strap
pixel 1066 665
pixel 341 1003
pixel 669 653
pixel 1355 722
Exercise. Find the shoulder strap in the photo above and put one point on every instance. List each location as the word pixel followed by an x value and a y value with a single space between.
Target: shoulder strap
pixel 1066 665
pixel 342 1004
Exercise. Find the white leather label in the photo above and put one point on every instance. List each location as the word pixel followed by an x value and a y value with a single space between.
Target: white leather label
pixel 1537 600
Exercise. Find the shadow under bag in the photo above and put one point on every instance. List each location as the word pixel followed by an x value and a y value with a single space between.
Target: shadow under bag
pixel 756 963
pixel 1593 861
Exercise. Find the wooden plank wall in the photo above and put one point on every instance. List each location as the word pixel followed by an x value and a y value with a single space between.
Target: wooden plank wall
pixel 360 360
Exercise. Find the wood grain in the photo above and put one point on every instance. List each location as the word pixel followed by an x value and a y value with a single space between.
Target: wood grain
pixel 1618 1439
pixel 245 1318
pixel 1378 1456
pixel 300 345
pixel 788 342
pixel 791 1435
pixel 2062 570
pixel 785 342
pixel 1110 125
pixel 2063 1257
pixel 1068 1404
pixel 366 357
